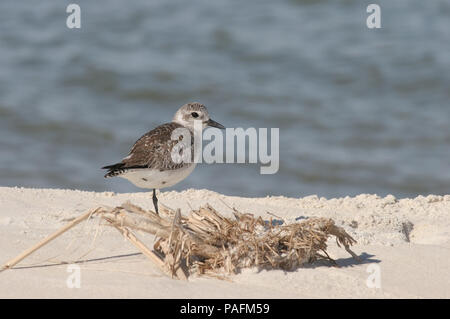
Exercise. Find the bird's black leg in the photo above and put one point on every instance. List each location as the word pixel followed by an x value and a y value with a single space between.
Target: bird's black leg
pixel 155 201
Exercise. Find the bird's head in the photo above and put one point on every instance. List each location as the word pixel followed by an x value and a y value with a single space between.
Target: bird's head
pixel 189 113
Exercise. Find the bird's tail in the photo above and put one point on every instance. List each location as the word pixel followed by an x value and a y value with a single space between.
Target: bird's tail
pixel 114 170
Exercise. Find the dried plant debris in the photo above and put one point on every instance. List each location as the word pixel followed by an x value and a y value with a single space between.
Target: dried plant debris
pixel 205 242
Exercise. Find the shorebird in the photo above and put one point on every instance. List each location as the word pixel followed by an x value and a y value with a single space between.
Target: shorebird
pixel 149 163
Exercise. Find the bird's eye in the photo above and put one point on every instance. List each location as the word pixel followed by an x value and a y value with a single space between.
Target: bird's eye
pixel 194 114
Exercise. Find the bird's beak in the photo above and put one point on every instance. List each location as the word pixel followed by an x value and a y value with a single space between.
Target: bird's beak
pixel 214 124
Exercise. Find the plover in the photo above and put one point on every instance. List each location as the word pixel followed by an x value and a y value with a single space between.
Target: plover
pixel 149 163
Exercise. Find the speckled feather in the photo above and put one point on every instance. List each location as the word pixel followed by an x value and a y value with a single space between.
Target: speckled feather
pixel 152 150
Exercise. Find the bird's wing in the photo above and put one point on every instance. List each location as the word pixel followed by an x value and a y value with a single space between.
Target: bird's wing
pixel 152 150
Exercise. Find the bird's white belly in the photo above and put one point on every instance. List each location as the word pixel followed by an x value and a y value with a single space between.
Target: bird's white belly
pixel 153 178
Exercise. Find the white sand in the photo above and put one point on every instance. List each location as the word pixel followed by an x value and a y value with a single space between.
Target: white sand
pixel 407 239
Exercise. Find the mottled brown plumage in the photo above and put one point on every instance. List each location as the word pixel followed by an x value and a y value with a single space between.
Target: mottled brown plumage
pixel 152 150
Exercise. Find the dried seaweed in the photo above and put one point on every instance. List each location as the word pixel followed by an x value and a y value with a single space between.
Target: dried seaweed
pixel 206 243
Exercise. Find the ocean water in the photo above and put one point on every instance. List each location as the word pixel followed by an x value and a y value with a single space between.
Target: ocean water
pixel 359 110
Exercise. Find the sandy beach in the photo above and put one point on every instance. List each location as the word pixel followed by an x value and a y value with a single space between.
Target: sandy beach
pixel 404 242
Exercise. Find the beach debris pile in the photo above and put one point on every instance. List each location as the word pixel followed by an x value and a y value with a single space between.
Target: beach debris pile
pixel 206 243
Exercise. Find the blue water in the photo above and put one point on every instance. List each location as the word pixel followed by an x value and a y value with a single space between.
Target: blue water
pixel 359 110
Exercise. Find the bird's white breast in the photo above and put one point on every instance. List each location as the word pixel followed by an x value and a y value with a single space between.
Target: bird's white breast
pixel 154 178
